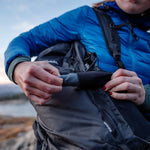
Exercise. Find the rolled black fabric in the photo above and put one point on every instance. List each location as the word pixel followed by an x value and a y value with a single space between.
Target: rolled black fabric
pixel 90 79
pixel 93 79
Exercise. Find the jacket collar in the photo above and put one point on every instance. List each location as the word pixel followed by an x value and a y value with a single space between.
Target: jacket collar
pixel 140 20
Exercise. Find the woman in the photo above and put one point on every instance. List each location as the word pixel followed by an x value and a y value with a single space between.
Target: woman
pixel 40 81
pixel 31 43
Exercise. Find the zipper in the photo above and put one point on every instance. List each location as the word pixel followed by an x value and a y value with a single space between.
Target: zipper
pixel 132 35
pixel 107 117
pixel 109 122
pixel 133 60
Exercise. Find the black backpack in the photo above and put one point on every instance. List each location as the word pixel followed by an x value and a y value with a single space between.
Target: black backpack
pixel 83 116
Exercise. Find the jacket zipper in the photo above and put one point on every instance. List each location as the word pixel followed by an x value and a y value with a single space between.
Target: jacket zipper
pixel 133 60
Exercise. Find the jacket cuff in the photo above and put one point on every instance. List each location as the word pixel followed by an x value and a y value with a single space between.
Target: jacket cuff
pixel 14 63
pixel 145 107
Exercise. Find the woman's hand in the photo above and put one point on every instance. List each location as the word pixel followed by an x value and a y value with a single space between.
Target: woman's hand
pixel 38 80
pixel 124 80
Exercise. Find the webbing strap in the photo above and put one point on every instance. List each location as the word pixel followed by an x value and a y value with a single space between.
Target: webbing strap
pixel 111 36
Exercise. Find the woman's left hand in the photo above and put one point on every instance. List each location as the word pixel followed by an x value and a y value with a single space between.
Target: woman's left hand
pixel 128 81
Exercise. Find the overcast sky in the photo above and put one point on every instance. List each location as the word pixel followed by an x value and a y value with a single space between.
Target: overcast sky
pixel 18 16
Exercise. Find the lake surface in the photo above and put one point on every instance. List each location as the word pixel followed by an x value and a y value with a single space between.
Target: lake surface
pixel 17 108
pixel 14 107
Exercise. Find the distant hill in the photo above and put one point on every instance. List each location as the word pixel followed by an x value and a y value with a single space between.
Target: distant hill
pixel 9 91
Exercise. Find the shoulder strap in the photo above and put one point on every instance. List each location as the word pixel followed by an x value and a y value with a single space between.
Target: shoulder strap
pixel 111 36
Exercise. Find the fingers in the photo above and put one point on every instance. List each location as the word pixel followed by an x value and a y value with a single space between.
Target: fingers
pixel 133 93
pixel 38 80
pixel 126 86
pixel 42 86
pixel 30 91
pixel 123 72
pixel 136 98
pixel 122 79
pixel 126 96
pixel 125 80
pixel 41 74
pixel 38 100
pixel 49 68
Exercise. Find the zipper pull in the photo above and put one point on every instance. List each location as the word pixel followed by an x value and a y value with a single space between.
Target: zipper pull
pixel 131 29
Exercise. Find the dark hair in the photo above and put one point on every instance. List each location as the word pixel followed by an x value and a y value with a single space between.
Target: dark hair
pixel 101 3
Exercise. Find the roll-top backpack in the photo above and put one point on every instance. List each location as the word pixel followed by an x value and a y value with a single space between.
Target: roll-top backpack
pixel 83 116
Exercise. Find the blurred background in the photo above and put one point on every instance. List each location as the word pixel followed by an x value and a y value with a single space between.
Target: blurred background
pixel 16 113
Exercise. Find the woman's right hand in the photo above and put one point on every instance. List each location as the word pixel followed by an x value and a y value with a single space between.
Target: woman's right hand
pixel 38 80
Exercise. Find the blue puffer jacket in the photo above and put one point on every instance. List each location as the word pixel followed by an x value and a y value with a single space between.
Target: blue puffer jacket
pixel 82 24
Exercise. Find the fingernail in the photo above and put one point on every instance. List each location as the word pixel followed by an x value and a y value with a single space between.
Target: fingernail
pixel 110 93
pixel 104 88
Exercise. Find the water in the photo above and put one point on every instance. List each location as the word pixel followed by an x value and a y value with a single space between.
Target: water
pixel 17 108
pixel 20 107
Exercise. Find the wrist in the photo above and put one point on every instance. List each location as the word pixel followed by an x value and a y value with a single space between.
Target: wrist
pixel 13 65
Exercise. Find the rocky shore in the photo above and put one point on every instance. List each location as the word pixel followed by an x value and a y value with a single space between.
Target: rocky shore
pixel 16 120
pixel 17 133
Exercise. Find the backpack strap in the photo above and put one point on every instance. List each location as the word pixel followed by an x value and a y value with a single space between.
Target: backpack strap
pixel 111 36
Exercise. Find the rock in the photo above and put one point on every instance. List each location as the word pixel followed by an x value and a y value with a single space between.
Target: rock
pixel 17 133
pixel 22 142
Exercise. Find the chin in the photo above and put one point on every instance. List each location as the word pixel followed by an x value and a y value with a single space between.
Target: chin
pixel 132 10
